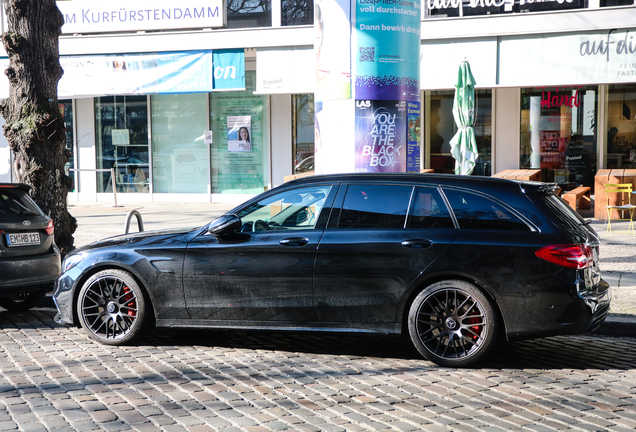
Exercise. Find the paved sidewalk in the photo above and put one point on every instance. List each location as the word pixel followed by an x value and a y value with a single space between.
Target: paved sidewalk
pixel 100 220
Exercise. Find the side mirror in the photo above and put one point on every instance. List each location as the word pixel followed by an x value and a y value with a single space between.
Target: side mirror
pixel 225 224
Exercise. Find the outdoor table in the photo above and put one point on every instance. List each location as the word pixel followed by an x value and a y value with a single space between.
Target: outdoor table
pixel 520 174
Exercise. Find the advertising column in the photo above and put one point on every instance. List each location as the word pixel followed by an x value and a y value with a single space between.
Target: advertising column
pixel 387 70
pixel 367 103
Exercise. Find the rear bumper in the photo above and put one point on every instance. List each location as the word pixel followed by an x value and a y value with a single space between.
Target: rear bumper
pixel 24 274
pixel 599 306
pixel 560 313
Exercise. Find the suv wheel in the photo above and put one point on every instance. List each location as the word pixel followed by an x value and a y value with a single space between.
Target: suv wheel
pixel 452 323
pixel 22 302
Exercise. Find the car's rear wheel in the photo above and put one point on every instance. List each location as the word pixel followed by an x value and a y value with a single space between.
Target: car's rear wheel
pixel 111 307
pixel 452 323
pixel 24 301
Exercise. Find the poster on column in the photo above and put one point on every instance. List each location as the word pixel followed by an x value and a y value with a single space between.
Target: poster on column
pixel 381 129
pixel 387 50
pixel 413 137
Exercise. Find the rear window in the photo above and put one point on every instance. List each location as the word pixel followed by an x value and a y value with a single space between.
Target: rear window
pixel 562 214
pixel 14 204
pixel 476 212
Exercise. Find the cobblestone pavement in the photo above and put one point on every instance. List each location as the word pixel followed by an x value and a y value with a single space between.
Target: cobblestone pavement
pixel 56 378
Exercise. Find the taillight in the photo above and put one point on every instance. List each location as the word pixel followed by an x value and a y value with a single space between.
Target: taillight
pixel 576 256
pixel 49 228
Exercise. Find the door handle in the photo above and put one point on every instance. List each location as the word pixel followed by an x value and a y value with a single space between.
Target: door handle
pixel 294 241
pixel 418 243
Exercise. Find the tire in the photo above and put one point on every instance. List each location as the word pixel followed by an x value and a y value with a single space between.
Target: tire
pixel 112 308
pixel 22 302
pixel 452 323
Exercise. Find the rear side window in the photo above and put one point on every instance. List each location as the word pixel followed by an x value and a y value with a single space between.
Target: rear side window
pixel 14 204
pixel 429 210
pixel 476 212
pixel 375 206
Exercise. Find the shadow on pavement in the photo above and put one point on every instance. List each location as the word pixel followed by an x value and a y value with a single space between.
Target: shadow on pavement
pixel 563 352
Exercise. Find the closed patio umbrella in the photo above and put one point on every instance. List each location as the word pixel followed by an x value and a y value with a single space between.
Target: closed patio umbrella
pixel 463 144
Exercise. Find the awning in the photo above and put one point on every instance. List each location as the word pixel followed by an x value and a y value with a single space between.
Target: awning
pixel 285 71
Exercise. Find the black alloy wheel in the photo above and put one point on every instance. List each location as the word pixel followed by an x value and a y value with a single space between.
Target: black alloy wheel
pixel 112 307
pixel 23 301
pixel 452 323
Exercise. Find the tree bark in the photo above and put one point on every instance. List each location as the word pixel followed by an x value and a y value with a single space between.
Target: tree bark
pixel 33 125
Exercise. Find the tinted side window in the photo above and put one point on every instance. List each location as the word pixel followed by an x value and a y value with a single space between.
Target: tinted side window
pixel 289 210
pixel 480 213
pixel 429 210
pixel 375 206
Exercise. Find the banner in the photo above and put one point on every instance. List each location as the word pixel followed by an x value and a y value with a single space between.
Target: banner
pixel 163 73
pixel 93 16
pixel 381 136
pixel 229 69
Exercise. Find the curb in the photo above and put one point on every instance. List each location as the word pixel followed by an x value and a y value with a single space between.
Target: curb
pixel 618 326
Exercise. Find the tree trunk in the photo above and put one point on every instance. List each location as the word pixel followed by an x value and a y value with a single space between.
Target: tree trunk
pixel 33 125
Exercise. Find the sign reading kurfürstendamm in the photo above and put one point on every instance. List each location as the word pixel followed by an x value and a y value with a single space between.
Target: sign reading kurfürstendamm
pixel 94 16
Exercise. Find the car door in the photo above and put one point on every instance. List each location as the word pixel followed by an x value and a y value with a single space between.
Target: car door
pixel 263 272
pixel 371 252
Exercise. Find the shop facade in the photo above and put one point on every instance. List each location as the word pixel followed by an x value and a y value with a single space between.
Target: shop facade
pixel 556 91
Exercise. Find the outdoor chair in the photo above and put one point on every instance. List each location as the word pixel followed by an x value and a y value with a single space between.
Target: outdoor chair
pixel 623 194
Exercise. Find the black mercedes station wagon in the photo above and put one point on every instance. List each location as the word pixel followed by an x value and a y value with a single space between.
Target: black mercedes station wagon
pixel 29 258
pixel 453 262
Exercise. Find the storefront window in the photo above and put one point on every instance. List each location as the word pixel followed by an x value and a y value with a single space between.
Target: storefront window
pixel 66 110
pixel 621 126
pixel 179 153
pixel 121 125
pixel 249 13
pixel 558 134
pixel 297 12
pixel 443 128
pixel 239 149
pixel 303 129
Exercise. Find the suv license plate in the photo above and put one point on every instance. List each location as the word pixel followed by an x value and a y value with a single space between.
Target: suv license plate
pixel 24 239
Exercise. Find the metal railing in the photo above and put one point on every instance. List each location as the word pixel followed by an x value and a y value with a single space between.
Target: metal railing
pixel 112 179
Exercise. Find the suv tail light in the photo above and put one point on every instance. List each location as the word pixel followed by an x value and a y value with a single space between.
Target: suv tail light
pixel 576 256
pixel 49 228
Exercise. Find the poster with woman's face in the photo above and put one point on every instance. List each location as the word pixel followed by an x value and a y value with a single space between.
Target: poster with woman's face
pixel 239 133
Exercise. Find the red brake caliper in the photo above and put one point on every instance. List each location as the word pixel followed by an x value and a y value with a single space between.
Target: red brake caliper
pixel 128 297
pixel 476 329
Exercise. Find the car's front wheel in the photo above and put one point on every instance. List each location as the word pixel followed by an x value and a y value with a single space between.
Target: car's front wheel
pixel 22 302
pixel 452 323
pixel 111 307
